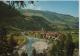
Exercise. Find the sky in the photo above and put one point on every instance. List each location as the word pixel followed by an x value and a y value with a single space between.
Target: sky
pixel 62 7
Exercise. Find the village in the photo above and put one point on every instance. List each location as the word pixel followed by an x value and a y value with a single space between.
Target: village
pixel 43 34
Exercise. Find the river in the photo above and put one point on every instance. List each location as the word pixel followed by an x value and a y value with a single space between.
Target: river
pixel 36 43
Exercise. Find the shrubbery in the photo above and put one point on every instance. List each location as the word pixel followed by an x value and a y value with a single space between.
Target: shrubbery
pixel 64 46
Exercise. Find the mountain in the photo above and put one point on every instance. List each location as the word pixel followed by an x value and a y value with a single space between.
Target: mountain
pixel 12 19
pixel 7 10
pixel 31 23
pixel 57 21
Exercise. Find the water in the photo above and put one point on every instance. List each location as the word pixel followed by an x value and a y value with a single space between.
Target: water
pixel 31 40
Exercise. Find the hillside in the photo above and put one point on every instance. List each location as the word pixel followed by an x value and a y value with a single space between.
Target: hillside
pixel 13 20
pixel 35 19
pixel 59 21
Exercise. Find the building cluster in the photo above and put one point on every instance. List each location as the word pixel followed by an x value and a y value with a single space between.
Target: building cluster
pixel 43 34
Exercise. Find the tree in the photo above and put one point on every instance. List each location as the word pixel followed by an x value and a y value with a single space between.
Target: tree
pixel 69 45
pixel 24 54
pixel 10 8
pixel 34 52
pixel 7 10
pixel 6 47
pixel 19 3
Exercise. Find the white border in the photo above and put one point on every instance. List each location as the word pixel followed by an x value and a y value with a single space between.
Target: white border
pixel 39 0
pixel 55 0
pixel 79 28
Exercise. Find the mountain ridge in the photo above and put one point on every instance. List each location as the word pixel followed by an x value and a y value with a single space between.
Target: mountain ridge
pixel 54 18
pixel 48 11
